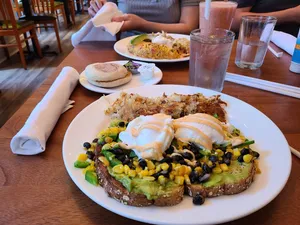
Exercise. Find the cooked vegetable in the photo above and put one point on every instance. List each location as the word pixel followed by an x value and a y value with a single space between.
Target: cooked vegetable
pixel 133 68
pixel 246 143
pixel 91 177
pixel 81 164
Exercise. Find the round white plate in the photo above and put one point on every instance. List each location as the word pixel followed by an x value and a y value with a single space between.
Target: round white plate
pixel 275 162
pixel 121 48
pixel 135 82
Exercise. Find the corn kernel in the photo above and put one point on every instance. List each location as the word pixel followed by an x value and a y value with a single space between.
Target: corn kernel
pixel 144 173
pixel 138 169
pixel 118 169
pixel 188 170
pixel 247 158
pixel 180 171
pixel 104 161
pixel 91 167
pixel 217 170
pixel 158 168
pixel 224 167
pixel 149 178
pixel 198 169
pixel 151 172
pixel 132 173
pixel 179 180
pixel 219 152
pixel 162 180
pixel 165 166
pixel 187 179
pixel 135 163
pixel 150 165
pixel 204 159
pixel 108 139
pixel 126 169
pixel 82 157
pixel 236 153
pixel 171 176
pixel 209 163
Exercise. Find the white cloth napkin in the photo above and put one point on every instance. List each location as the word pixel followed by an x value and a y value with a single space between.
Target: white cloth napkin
pixel 100 28
pixel 31 139
pixel 284 41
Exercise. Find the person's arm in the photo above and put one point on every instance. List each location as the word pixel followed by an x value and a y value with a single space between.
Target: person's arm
pixel 283 16
pixel 186 24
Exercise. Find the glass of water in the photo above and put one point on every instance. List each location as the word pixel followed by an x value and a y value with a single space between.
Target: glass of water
pixel 209 55
pixel 254 37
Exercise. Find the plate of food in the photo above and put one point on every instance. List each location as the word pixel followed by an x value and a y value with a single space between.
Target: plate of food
pixel 172 154
pixel 115 76
pixel 158 47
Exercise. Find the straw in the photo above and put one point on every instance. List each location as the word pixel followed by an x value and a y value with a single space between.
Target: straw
pixel 207 9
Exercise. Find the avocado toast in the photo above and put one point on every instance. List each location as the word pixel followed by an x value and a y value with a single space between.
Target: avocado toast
pixel 141 182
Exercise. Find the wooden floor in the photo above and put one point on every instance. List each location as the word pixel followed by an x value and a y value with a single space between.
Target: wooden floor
pixel 17 84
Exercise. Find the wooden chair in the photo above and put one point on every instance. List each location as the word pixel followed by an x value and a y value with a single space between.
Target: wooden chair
pixel 44 16
pixel 72 10
pixel 81 3
pixel 18 7
pixel 9 26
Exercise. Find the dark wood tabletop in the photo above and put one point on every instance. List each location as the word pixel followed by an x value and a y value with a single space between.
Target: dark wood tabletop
pixel 38 190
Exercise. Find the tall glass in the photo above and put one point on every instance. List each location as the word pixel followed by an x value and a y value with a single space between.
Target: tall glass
pixel 254 37
pixel 209 55
pixel 221 15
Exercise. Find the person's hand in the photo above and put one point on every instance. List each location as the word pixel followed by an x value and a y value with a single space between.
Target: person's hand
pixel 131 22
pixel 95 6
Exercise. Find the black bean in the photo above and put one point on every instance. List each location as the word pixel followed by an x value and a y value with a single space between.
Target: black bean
pixel 187 155
pixel 156 175
pixel 194 176
pixel 177 158
pixel 228 155
pixel 194 148
pixel 223 148
pixel 121 124
pixel 101 142
pixel 170 167
pixel 95 140
pixel 120 157
pixel 86 145
pixel 204 177
pixel 90 155
pixel 255 154
pixel 240 158
pixel 206 168
pixel 198 199
pixel 182 162
pixel 245 151
pixel 227 161
pixel 197 156
pixel 166 159
pixel 213 165
pixel 126 160
pixel 213 158
pixel 117 151
pixel 170 150
pixel 197 164
pixel 142 163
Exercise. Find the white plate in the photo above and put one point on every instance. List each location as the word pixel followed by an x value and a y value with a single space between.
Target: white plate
pixel 121 48
pixel 275 163
pixel 135 82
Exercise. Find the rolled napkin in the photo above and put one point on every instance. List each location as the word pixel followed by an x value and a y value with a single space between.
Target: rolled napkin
pixel 31 139
pixel 284 41
pixel 100 28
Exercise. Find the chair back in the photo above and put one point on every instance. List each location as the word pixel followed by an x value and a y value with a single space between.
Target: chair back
pixel 7 17
pixel 42 6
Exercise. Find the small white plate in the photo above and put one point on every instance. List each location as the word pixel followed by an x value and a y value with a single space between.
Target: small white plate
pixel 121 48
pixel 135 82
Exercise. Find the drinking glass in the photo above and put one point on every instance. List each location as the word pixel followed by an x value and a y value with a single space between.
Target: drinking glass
pixel 254 37
pixel 220 16
pixel 209 55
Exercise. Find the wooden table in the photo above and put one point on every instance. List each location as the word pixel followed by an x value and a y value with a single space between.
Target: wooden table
pixel 38 190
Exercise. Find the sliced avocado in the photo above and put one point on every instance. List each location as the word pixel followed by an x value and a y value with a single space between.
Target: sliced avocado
pixel 139 39
pixel 237 171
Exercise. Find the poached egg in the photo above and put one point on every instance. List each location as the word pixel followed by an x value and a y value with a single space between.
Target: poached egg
pixel 201 129
pixel 149 136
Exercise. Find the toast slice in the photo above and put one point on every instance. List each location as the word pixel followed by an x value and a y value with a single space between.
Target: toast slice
pixel 116 190
pixel 238 178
